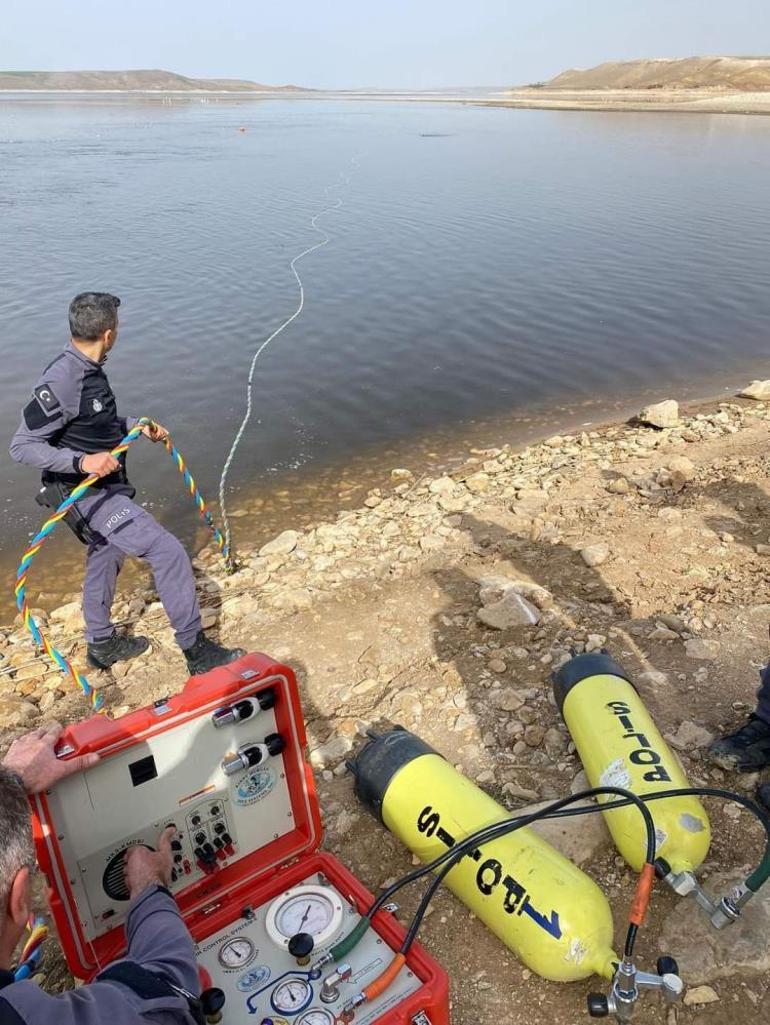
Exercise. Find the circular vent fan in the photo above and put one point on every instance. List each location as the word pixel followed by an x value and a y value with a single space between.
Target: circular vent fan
pixel 114 878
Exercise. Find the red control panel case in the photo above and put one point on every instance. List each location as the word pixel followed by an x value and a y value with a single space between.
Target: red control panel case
pixel 253 877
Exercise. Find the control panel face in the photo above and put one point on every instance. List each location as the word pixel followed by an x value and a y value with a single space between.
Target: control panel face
pixel 188 777
pixel 250 961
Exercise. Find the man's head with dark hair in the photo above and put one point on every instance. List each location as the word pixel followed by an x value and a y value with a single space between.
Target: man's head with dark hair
pixel 92 315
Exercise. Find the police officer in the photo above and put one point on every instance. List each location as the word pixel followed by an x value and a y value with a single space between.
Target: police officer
pixel 157 980
pixel 67 430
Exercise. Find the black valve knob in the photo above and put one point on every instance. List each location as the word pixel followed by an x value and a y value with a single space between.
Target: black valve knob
pixel 212 1002
pixel 598 1005
pixel 266 699
pixel 301 946
pixel 667 966
pixel 275 743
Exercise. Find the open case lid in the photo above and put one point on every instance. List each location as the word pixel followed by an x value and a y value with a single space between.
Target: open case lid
pixel 172 763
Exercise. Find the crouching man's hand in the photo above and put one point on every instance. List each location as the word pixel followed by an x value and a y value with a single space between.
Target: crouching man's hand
pixel 146 868
pixel 33 758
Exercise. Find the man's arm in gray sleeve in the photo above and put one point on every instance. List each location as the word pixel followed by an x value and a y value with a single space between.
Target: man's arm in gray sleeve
pixel 158 939
pixel 55 401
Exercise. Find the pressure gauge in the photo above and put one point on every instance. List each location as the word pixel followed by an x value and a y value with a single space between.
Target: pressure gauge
pixel 236 953
pixel 291 996
pixel 316 1016
pixel 316 910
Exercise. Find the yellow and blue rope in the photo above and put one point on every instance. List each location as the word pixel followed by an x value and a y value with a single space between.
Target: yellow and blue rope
pixel 30 955
pixel 48 527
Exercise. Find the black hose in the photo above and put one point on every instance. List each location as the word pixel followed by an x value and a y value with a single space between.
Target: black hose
pixel 449 858
pixel 559 809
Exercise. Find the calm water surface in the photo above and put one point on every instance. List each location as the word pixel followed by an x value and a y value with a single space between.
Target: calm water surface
pixel 485 262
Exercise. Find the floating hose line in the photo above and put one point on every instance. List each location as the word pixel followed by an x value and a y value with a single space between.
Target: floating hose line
pixel 37 542
pixel 344 180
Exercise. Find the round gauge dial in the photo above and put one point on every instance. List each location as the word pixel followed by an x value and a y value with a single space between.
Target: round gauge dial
pixel 236 953
pixel 292 996
pixel 316 1016
pixel 312 909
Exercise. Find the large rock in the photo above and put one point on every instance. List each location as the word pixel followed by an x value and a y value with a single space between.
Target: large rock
pixel 333 751
pixel 661 414
pixel 284 544
pixel 495 586
pixel 530 502
pixel 595 555
pixel 681 470
pixel 758 390
pixel 689 737
pixel 511 610
pixel 702 649
pixel 15 712
pixel 69 616
pixel 706 954
pixel 578 839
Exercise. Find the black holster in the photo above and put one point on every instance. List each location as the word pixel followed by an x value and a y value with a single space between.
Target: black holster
pixel 51 496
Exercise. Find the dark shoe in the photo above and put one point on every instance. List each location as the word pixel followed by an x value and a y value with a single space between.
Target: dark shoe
pixel 206 654
pixel 763 795
pixel 746 750
pixel 117 648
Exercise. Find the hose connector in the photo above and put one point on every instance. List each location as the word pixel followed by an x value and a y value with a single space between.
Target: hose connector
pixel 729 908
pixel 628 985
pixel 349 1008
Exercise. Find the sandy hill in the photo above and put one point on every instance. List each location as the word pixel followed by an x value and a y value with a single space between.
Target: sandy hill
pixel 742 74
pixel 143 80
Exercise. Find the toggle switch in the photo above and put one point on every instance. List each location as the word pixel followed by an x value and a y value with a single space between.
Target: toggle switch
pixel 249 755
pixel 244 709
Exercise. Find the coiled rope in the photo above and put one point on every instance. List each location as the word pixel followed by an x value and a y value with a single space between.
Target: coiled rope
pixel 344 180
pixel 40 639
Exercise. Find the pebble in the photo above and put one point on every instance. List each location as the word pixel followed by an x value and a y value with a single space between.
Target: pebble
pixel 284 544
pixel 595 555
pixel 661 414
pixel 699 995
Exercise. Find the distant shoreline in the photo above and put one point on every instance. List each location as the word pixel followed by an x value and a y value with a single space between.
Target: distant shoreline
pixel 689 101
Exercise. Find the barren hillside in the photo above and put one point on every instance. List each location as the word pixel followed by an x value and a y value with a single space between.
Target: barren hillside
pixel 143 80
pixel 742 74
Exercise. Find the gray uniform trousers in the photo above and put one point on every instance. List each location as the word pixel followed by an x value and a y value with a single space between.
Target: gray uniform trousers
pixel 125 528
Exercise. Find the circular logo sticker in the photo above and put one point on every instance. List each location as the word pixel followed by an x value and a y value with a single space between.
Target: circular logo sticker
pixel 253 979
pixel 254 785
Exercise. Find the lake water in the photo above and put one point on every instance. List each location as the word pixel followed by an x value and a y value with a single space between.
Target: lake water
pixel 485 263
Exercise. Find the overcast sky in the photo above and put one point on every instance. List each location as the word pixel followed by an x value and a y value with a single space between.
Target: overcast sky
pixel 381 43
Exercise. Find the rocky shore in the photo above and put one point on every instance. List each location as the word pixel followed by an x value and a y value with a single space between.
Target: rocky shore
pixel 444 604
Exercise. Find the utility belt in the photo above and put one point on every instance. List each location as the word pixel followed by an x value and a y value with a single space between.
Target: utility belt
pixel 51 496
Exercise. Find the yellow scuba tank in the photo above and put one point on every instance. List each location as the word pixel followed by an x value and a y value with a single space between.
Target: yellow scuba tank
pixel 544 908
pixel 619 745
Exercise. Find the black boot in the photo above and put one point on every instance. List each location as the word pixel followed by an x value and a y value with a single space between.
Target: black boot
pixel 763 795
pixel 116 648
pixel 746 750
pixel 205 654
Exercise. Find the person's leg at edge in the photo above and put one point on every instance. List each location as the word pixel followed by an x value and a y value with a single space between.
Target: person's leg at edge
pixel 103 564
pixel 105 645
pixel 748 748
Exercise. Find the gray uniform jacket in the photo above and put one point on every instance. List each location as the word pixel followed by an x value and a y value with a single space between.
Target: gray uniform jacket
pixel 72 413
pixel 158 941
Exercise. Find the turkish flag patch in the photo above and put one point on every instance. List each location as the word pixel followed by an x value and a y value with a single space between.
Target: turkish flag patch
pixel 47 399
